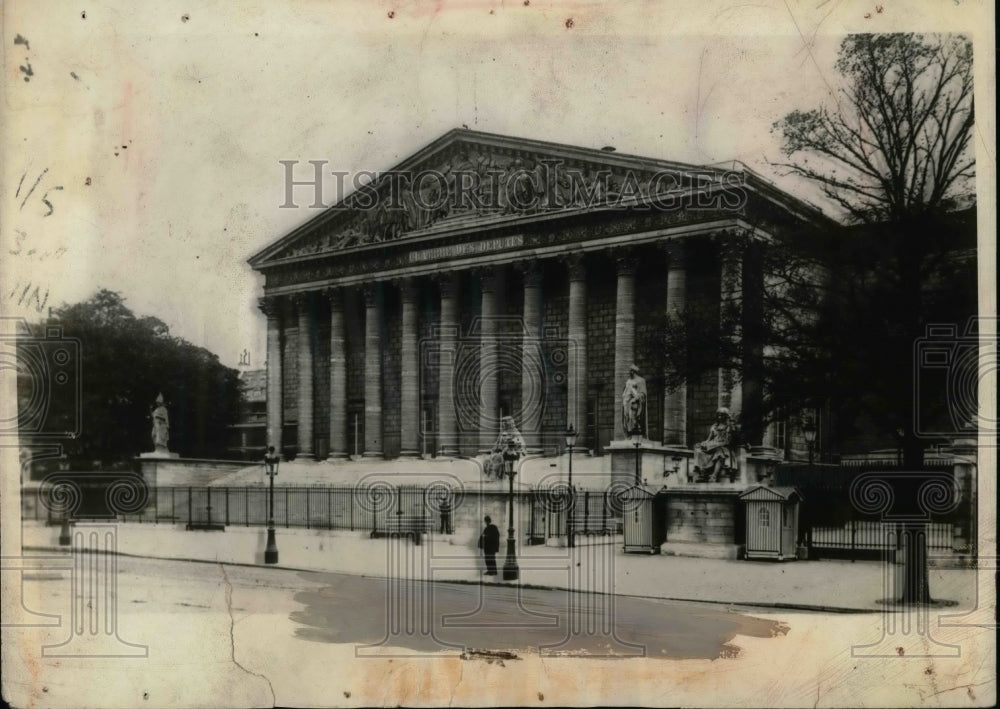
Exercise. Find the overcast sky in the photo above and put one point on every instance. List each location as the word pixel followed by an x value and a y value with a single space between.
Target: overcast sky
pixel 163 125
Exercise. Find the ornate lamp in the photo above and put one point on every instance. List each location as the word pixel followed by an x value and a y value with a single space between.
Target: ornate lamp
pixel 809 432
pixel 271 461
pixel 570 442
pixel 511 572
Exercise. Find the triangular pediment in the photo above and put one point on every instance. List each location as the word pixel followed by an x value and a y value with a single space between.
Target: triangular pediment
pixel 468 178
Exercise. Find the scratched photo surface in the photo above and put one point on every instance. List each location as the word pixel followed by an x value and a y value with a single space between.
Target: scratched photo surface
pixel 529 353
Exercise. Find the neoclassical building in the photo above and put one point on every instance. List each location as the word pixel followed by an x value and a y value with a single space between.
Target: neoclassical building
pixel 488 276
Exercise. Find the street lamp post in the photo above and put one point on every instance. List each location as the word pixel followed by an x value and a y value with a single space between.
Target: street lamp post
pixel 510 570
pixel 271 461
pixel 637 441
pixel 570 441
pixel 809 431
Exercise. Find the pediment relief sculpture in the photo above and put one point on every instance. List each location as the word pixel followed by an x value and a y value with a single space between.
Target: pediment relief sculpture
pixel 471 182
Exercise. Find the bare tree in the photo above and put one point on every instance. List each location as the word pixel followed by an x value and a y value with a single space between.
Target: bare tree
pixel 897 144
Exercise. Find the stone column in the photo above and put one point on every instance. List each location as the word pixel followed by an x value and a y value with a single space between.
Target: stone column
pixel 448 336
pixel 730 299
pixel 532 358
pixel 303 305
pixel 576 363
pixel 624 332
pixel 675 402
pixel 271 307
pixel 373 371
pixel 338 375
pixel 409 372
pixel 489 345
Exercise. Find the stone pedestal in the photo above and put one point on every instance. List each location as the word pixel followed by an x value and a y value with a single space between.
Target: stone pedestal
pixel 701 520
pixel 655 459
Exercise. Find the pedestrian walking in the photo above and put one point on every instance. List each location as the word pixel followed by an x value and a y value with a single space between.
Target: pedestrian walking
pixel 489 542
pixel 445 509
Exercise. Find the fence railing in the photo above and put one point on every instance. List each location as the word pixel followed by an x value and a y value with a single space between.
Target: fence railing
pixel 344 507
pixel 593 513
pixel 829 530
pixel 863 535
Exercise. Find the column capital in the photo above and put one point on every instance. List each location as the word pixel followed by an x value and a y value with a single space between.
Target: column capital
pixel 300 300
pixel 625 262
pixel 270 305
pixel 731 243
pixel 487 278
pixel 447 283
pixel 372 293
pixel 531 271
pixel 334 294
pixel 674 251
pixel 575 265
pixel 407 288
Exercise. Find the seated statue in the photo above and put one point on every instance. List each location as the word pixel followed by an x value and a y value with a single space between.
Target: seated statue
pixel 716 455
pixel 509 437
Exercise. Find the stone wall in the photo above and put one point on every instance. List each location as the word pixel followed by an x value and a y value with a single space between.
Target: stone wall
pixel 601 349
pixel 290 373
pixel 321 380
pixel 703 286
pixel 391 369
pixel 185 472
pixel 650 311
pixel 555 329
pixel 354 326
pixel 468 299
pixel 429 318
pixel 701 516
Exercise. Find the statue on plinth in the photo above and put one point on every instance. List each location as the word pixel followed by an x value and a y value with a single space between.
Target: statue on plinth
pixel 634 404
pixel 717 454
pixel 509 437
pixel 161 426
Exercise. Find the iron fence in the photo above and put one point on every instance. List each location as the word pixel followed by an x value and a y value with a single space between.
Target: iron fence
pixel 832 525
pixel 355 508
pixel 593 513
pixel 858 536
pixel 343 507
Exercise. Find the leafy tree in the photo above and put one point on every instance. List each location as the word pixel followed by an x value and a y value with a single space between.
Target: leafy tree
pixel 126 361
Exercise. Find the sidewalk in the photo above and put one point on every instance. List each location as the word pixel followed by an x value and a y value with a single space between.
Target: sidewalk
pixel 832 586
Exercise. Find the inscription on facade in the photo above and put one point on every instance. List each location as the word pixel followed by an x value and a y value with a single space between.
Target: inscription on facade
pixel 470 249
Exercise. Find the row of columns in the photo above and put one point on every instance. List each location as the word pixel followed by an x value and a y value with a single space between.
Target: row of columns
pixel 674 406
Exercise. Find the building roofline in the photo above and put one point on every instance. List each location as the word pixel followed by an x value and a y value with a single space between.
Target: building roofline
pixel 756 182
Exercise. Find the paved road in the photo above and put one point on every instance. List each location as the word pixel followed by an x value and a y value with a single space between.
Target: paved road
pixel 446 616
pixel 441 617
pixel 252 636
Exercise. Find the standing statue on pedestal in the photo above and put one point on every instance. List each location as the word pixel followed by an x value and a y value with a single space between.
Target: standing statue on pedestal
pixel 717 454
pixel 634 404
pixel 161 426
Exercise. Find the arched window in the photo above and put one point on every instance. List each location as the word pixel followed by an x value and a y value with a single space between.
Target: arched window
pixel 763 517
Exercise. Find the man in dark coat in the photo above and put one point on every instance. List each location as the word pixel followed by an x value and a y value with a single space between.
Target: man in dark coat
pixel 445 510
pixel 489 542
